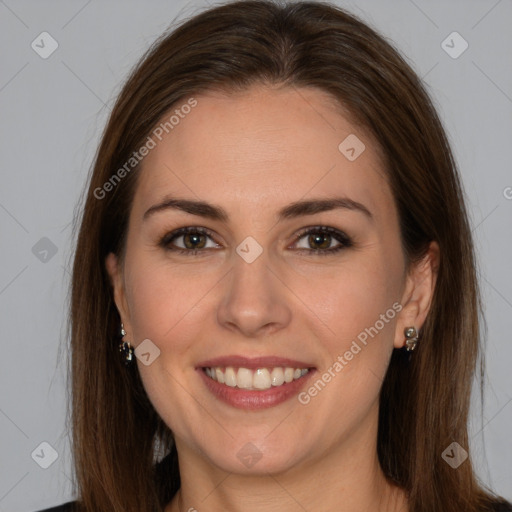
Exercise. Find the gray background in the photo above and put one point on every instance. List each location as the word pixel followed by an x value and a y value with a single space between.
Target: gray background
pixel 52 114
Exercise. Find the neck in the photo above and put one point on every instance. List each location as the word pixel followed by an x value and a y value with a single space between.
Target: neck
pixel 347 478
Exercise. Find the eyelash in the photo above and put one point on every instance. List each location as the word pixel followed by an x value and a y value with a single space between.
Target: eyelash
pixel 345 241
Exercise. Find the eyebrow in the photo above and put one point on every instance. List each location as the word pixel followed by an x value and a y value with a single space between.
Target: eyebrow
pixel 293 210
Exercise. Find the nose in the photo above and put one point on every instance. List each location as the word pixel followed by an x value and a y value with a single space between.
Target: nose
pixel 255 301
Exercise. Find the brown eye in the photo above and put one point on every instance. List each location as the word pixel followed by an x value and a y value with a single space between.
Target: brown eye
pixel 320 239
pixel 194 240
pixel 189 240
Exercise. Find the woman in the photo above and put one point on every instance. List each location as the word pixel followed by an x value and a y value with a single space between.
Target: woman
pixel 274 301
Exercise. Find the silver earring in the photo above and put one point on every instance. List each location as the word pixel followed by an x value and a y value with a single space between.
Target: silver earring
pixel 411 338
pixel 125 348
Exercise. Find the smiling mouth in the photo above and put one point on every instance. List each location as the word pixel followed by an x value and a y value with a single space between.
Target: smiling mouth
pixel 258 379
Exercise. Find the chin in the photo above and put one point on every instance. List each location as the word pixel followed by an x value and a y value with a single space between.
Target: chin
pixel 253 454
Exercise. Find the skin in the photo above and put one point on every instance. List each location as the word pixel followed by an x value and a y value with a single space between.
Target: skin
pixel 252 154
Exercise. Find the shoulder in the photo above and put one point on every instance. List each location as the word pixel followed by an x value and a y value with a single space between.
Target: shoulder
pixel 65 507
pixel 502 506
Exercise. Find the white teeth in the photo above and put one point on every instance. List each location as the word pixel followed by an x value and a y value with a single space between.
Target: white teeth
pixel 277 376
pixel 230 377
pixel 261 378
pixel 244 378
pixel 219 375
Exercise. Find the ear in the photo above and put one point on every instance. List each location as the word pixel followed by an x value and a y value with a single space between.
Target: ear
pixel 115 271
pixel 418 293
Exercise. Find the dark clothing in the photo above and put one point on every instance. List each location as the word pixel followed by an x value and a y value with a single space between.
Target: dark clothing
pixel 66 507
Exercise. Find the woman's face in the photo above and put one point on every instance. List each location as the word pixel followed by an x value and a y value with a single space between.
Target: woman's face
pixel 292 259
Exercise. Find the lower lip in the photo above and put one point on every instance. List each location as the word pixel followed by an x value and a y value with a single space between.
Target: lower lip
pixel 254 399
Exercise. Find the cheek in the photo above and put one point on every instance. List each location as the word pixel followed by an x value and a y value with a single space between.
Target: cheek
pixel 353 298
pixel 359 312
pixel 168 302
pixel 358 306
pixel 166 307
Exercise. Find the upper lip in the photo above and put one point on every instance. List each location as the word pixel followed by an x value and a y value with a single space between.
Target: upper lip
pixel 254 362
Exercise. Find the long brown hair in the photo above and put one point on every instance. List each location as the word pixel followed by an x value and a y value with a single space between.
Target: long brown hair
pixel 424 402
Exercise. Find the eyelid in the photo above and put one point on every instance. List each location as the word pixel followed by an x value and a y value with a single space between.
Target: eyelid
pixel 322 229
pixel 177 233
pixel 343 239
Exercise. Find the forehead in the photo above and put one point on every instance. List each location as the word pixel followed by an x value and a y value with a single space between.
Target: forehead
pixel 262 148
